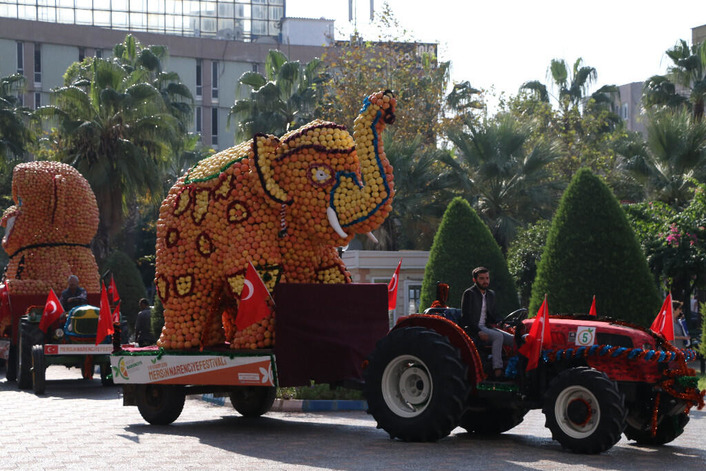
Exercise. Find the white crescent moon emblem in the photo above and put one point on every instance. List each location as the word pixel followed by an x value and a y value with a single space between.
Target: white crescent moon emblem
pixel 394 282
pixel 250 290
pixel 53 307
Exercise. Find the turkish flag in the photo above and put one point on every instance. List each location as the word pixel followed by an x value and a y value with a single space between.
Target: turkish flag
pixel 116 314
pixel 52 311
pixel 105 317
pixel 113 290
pixel 540 335
pixel 253 305
pixel 392 288
pixel 592 311
pixel 664 323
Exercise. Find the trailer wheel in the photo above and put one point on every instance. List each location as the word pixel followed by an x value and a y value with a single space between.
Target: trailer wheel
pixel 39 370
pixel 669 429
pixel 159 404
pixel 492 420
pixel 584 410
pixel 416 384
pixel 24 368
pixel 253 401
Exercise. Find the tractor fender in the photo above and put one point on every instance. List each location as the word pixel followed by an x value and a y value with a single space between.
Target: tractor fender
pixel 457 337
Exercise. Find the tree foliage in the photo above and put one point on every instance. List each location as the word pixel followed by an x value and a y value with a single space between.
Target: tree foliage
pixel 462 243
pixel 674 242
pixel 591 250
pixel 524 255
pixel 506 174
pixel 16 132
pixel 279 101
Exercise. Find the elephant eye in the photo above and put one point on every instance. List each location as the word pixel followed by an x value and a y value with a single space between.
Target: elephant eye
pixel 320 174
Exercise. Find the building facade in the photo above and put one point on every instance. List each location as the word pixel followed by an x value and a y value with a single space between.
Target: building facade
pixel 375 266
pixel 210 45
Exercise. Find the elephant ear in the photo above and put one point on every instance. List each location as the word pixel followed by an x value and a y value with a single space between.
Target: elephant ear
pixel 265 149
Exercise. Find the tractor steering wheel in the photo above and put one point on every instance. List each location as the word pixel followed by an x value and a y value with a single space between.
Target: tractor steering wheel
pixel 515 317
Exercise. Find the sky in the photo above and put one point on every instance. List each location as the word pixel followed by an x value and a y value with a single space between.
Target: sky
pixel 504 43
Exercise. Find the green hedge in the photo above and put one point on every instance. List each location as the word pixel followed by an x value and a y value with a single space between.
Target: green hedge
pixel 462 243
pixel 591 250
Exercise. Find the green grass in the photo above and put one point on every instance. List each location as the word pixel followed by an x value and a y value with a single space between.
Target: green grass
pixel 318 391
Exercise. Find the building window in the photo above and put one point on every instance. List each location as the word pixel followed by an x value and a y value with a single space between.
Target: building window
pixel 199 78
pixel 199 119
pixel 99 53
pixel 414 294
pixel 214 80
pixel 624 111
pixel 256 67
pixel 20 57
pixel 214 126
pixel 37 64
pixel 37 100
pixel 81 54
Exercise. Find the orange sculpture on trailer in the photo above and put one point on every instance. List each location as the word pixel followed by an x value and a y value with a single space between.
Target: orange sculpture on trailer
pixel 284 204
pixel 48 231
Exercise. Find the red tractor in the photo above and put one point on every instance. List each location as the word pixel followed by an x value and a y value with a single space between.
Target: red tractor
pixel 600 379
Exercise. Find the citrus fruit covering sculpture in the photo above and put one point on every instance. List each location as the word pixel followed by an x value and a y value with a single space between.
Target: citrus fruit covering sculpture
pixel 48 230
pixel 284 204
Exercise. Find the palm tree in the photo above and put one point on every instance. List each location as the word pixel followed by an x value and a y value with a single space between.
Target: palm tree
pixel 15 130
pixel 672 157
pixel 507 175
pixel 424 180
pixel 117 131
pixel 281 100
pixel 688 71
pixel 572 87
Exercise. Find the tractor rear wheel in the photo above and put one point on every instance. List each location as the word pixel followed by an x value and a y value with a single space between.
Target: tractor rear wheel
pixel 416 384
pixel 160 404
pixel 584 410
pixel 253 401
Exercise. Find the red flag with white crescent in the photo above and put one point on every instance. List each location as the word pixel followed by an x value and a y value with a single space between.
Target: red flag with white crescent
pixel 392 288
pixel 539 336
pixel 253 305
pixel 52 311
pixel 664 322
pixel 113 291
pixel 105 317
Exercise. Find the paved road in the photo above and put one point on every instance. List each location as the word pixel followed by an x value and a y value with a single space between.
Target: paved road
pixel 79 424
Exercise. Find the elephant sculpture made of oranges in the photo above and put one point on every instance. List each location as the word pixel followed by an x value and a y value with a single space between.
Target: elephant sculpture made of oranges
pixel 283 204
pixel 49 228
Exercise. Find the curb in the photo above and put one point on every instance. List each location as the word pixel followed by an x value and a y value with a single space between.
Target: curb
pixel 302 405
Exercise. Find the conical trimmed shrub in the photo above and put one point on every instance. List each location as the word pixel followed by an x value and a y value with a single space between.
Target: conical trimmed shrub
pixel 462 243
pixel 592 250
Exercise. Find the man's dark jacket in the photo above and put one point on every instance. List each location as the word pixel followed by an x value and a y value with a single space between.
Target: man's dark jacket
pixel 470 309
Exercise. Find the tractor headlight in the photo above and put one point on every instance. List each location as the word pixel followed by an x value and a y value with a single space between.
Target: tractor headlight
pixel 59 333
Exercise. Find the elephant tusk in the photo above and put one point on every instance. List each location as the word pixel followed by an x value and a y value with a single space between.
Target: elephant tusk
pixel 372 237
pixel 333 220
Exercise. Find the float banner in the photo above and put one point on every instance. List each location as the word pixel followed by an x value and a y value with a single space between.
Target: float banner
pixel 78 349
pixel 193 369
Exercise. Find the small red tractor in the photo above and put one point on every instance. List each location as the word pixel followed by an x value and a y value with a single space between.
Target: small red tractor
pixel 600 379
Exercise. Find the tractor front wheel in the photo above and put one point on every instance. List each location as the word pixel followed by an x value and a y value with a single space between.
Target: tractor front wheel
pixel 160 404
pixel 584 410
pixel 667 430
pixel 416 384
pixel 39 370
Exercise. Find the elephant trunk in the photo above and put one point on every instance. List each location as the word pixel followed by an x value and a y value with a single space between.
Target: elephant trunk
pixel 359 205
